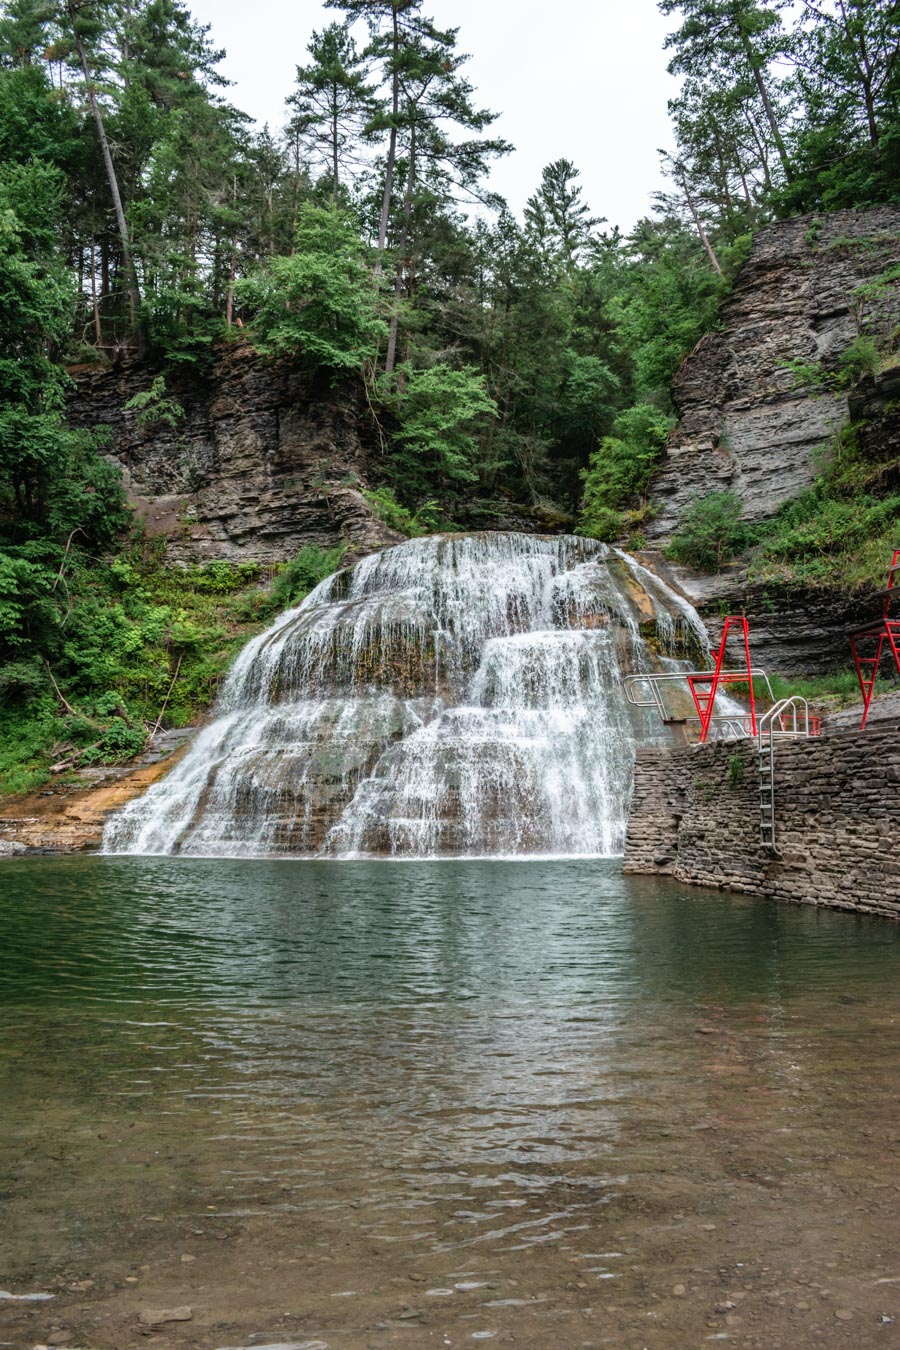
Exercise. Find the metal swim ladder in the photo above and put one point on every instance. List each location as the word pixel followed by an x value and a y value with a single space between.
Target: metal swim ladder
pixel 788 719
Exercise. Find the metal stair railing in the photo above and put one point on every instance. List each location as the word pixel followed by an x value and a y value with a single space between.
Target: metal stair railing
pixel 721 726
pixel 788 719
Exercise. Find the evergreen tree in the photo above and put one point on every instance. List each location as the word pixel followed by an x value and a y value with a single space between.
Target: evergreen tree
pixel 558 216
pixel 332 103
pixel 733 41
pixel 847 57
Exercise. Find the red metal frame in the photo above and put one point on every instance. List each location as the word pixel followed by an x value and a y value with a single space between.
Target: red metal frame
pixel 705 697
pixel 886 631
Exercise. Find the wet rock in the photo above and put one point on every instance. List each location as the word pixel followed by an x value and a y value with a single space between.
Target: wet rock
pixel 281 1345
pixel 153 1317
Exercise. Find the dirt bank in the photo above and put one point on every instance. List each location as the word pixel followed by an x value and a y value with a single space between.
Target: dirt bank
pixel 68 817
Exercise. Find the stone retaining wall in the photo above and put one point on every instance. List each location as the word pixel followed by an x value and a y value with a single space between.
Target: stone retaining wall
pixel 695 815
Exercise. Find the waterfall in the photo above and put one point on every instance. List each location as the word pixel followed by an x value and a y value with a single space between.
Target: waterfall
pixel 456 695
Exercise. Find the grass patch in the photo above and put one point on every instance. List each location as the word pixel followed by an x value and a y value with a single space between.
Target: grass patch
pixel 837 689
pixel 838 534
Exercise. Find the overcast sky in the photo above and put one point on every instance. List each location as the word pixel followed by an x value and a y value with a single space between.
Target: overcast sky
pixel 585 79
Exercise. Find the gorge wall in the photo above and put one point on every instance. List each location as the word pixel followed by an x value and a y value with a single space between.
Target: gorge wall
pixel 802 629
pixel 695 816
pixel 265 460
pixel 744 425
pixel 262 461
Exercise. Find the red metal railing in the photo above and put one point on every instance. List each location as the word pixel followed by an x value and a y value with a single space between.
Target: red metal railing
pixel 868 644
pixel 705 686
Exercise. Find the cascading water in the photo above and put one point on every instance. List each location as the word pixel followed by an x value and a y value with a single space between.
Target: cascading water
pixel 453 695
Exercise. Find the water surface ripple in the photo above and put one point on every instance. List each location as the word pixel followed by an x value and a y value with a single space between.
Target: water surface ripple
pixel 383 1103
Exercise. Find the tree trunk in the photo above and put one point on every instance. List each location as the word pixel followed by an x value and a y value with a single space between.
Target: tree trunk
pixel 704 237
pixel 392 148
pixel 232 264
pixel 777 137
pixel 391 357
pixel 335 181
pixel 748 200
pixel 134 295
pixel 98 332
pixel 864 74
pixel 761 150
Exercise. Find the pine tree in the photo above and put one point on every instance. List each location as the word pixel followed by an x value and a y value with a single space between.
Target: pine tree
pixel 731 40
pixel 332 102
pixel 557 214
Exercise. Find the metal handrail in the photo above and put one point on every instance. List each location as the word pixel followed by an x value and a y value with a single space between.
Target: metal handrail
pixel 791 715
pixel 794 704
pixel 655 678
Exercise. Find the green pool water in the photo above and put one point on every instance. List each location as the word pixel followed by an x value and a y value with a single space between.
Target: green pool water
pixel 504 1073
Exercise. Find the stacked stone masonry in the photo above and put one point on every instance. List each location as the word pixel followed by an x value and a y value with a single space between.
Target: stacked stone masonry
pixel 695 816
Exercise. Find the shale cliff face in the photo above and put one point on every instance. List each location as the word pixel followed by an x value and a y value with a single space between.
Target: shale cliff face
pixel 263 460
pixel 745 427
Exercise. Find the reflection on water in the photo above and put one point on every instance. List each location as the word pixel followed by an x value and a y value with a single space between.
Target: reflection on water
pixel 233 933
pixel 463 1065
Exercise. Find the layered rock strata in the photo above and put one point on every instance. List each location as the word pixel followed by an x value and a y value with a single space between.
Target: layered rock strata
pixel 745 426
pixel 260 461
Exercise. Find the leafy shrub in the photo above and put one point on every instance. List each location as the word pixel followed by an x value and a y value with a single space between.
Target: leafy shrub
pixel 735 774
pixel 620 468
pixel 300 576
pixel 861 358
pixel 711 532
pixel 440 411
pixel 319 304
pixel 119 743
pixel 154 408
pixel 426 519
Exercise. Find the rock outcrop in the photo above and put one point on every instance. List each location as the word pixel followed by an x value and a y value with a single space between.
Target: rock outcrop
pixel 262 460
pixel 744 425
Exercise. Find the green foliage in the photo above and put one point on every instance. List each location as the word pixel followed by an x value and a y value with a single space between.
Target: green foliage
pixel 839 532
pixel 426 519
pixel 114 641
pixel 154 407
pixel 619 470
pixel 837 688
pixel 735 773
pixel 862 357
pixel 317 305
pixel 820 537
pixel 439 411
pixel 710 532
pixel 300 576
pixel 670 301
